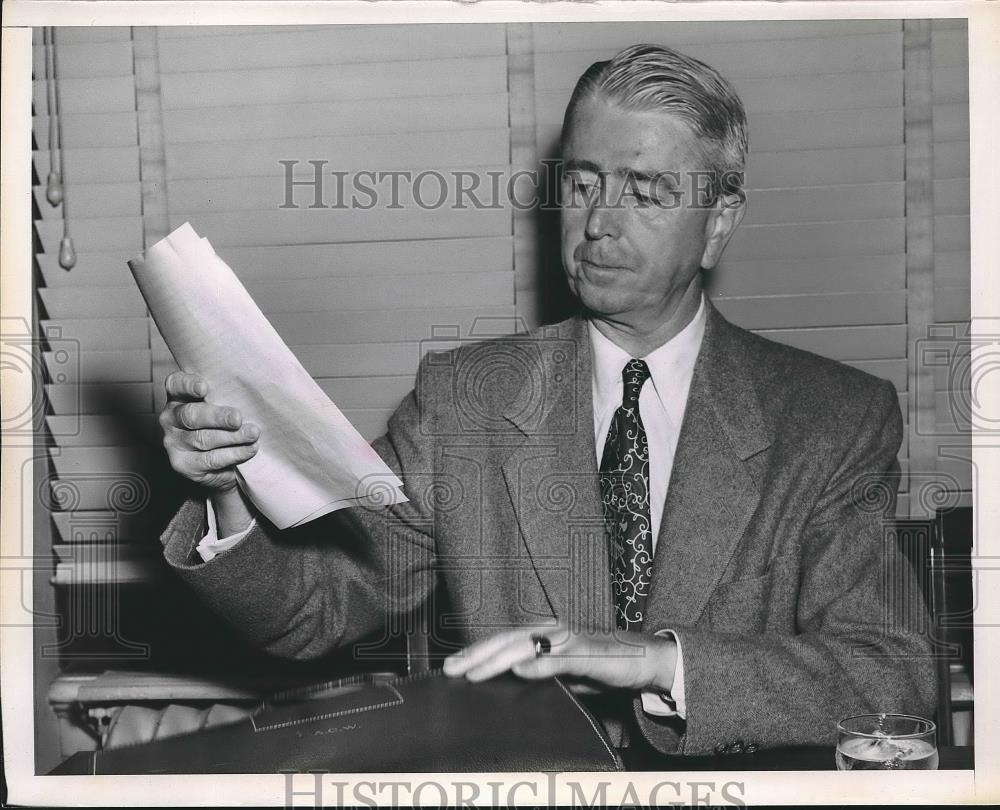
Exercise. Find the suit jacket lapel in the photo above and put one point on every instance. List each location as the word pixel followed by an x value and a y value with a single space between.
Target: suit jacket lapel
pixel 713 492
pixel 552 478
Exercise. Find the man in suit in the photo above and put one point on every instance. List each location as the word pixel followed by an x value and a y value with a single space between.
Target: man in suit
pixel 664 509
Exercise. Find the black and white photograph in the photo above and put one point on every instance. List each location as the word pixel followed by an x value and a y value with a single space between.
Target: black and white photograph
pixel 509 393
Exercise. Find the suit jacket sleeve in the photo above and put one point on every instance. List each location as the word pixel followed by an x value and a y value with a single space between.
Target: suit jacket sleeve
pixel 302 592
pixel 859 644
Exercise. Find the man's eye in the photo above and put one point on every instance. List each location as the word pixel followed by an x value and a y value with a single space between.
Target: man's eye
pixel 640 196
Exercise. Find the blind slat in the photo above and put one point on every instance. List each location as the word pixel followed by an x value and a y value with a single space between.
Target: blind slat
pixel 372 258
pixel 459 187
pixel 361 359
pixel 789 311
pixel 93 199
pixel 352 293
pixel 111 164
pixel 68 399
pixel 99 332
pixel 951 196
pixel 370 423
pixel 809 239
pixel 819 274
pixel 377 152
pixel 92 430
pixel 300 226
pixel 71 34
pixel 748 60
pixel 81 131
pixel 846 343
pixel 87 59
pixel 485 74
pixel 371 326
pixel 380 393
pixel 400 115
pixel 346 45
pixel 952 303
pixel 949 47
pixel 838 91
pixel 550 37
pixel 951 85
pixel 108 459
pixel 951 269
pixel 809 129
pixel 951 233
pixel 951 159
pixel 129 365
pixel 93 302
pixel 93 234
pixel 819 167
pixel 101 94
pixel 825 203
pixel 951 122
pixel 429 256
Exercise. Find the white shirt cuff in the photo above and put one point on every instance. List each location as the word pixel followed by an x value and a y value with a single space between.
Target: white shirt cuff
pixel 211 544
pixel 659 704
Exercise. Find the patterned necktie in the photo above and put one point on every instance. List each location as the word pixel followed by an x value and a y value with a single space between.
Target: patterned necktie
pixel 625 492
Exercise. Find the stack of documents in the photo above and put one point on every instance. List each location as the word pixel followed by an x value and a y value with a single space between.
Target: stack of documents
pixel 311 460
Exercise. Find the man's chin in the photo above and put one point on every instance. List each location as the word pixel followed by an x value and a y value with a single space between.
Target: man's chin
pixel 603 306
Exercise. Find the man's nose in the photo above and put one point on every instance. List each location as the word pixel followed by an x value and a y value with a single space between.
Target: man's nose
pixel 602 220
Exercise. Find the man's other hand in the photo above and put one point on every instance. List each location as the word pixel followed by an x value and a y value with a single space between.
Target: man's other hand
pixel 616 661
pixel 204 442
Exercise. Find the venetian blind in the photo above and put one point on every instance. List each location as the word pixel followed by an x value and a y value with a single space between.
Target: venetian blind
pixel 952 293
pixel 97 363
pixel 357 294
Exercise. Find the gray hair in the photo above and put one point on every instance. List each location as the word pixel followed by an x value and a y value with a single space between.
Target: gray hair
pixel 655 78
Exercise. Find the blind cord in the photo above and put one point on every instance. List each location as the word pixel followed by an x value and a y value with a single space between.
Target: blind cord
pixel 67 254
pixel 53 191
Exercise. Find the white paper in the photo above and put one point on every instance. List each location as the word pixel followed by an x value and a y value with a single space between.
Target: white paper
pixel 311 460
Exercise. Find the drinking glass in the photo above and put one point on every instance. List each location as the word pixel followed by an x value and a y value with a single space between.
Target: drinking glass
pixel 886 742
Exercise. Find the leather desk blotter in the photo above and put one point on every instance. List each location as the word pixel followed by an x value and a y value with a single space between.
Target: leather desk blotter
pixel 421 723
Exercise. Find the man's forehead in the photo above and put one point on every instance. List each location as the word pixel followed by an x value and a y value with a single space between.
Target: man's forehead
pixel 610 137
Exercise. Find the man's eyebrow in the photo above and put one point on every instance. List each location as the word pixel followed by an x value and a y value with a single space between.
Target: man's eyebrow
pixel 669 177
pixel 580 165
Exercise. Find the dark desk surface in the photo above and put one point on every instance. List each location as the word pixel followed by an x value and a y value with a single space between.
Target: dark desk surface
pixel 776 759
pixel 806 758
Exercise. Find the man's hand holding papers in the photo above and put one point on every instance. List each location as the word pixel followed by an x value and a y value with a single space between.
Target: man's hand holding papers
pixel 205 443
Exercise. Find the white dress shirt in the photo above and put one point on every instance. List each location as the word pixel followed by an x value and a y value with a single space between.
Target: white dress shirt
pixel 662 401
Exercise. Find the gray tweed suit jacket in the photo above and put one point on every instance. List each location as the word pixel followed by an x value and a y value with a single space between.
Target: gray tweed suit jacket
pixel 772 566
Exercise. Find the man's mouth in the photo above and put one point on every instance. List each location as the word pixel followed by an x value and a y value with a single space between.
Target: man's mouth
pixel 590 264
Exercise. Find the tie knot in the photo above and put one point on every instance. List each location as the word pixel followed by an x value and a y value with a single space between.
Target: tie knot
pixel 635 373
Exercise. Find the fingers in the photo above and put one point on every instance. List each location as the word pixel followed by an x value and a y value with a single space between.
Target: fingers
pixel 223 458
pixel 477 654
pixel 201 415
pixel 204 442
pixel 206 439
pixel 497 654
pixel 516 651
pixel 629 661
pixel 185 387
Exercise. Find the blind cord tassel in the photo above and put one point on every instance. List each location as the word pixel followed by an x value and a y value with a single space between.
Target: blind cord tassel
pixel 67 253
pixel 54 190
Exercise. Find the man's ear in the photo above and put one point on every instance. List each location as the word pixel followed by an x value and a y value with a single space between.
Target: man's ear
pixel 722 222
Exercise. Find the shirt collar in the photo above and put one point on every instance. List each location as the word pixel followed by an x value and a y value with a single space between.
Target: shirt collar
pixel 671 366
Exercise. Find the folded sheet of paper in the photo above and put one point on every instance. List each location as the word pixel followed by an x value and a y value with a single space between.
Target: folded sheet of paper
pixel 311 460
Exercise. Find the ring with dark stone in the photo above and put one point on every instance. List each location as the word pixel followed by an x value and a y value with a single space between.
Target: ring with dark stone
pixel 542 645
